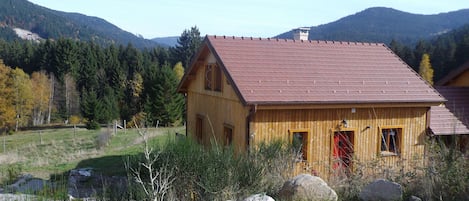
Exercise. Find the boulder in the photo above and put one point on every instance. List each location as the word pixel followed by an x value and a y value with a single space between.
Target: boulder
pixel 414 198
pixel 381 190
pixel 259 197
pixel 307 187
pixel 18 197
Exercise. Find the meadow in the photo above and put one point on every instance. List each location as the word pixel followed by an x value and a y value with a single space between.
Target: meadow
pixel 43 153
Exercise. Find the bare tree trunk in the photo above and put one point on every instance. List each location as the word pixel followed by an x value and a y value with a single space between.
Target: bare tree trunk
pixel 51 96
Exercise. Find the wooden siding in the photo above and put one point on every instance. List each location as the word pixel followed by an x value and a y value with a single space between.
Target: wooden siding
pixel 270 125
pixel 218 109
pixel 461 80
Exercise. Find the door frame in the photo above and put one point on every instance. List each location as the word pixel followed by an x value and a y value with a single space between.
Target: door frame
pixel 332 144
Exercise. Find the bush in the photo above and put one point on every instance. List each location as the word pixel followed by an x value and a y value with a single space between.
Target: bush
pixel 221 173
pixel 102 140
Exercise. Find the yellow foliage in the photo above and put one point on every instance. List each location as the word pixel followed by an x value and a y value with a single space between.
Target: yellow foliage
pixel 7 109
pixel 137 85
pixel 42 89
pixel 179 70
pixel 138 119
pixel 74 119
pixel 23 96
pixel 425 69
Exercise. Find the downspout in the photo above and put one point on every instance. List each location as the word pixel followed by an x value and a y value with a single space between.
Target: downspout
pixel 186 106
pixel 249 118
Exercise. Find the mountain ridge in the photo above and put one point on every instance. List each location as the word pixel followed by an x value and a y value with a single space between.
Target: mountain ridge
pixel 383 24
pixel 53 24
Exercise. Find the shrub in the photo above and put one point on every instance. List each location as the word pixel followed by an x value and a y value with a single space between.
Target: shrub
pixel 102 140
pixel 220 173
pixel 74 119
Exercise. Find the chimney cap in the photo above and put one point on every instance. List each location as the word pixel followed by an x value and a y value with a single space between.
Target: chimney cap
pixel 301 33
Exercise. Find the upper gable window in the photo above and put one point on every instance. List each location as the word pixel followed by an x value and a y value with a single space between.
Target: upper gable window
pixel 213 77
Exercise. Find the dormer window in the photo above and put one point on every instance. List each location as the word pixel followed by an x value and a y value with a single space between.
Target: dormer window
pixel 213 77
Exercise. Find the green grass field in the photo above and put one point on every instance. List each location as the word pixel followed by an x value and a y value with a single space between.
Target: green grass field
pixel 56 151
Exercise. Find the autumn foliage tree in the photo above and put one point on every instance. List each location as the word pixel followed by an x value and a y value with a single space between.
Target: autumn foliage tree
pixel 7 110
pixel 22 98
pixel 425 69
pixel 42 88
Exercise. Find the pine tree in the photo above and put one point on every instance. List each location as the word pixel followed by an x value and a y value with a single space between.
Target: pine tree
pixel 91 108
pixel 425 69
pixel 163 103
pixel 187 46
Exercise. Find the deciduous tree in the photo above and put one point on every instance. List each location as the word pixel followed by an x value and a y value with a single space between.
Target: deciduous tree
pixel 7 110
pixel 425 69
pixel 23 97
pixel 41 86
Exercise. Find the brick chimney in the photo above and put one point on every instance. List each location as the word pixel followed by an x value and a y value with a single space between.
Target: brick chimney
pixel 301 33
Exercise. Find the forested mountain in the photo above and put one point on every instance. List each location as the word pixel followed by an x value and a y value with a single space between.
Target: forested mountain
pixel 169 41
pixel 51 24
pixel 65 80
pixel 381 24
pixel 447 51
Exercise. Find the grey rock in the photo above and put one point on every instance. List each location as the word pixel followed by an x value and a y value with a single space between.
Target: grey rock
pixel 17 197
pixel 414 198
pixel 381 190
pixel 307 187
pixel 259 197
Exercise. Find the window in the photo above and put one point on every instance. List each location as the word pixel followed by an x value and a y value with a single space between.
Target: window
pixel 217 78
pixel 391 141
pixel 213 77
pixel 299 141
pixel 228 135
pixel 199 122
pixel 208 77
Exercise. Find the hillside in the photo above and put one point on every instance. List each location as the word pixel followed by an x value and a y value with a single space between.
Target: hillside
pixel 51 24
pixel 381 24
pixel 170 41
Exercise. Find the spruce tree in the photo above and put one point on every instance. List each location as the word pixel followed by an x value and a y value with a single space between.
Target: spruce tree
pixel 187 46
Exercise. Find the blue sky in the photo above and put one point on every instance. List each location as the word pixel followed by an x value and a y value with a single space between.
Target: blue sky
pixel 257 18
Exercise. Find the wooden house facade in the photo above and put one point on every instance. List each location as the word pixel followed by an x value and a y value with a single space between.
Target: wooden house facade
pixel 338 102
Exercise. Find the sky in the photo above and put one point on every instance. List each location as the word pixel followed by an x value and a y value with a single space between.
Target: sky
pixel 250 18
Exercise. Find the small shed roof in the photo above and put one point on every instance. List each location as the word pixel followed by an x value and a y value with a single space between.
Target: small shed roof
pixel 453 74
pixel 453 117
pixel 279 71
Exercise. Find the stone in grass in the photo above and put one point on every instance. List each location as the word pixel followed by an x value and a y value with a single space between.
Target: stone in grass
pixel 382 190
pixel 307 187
pixel 259 197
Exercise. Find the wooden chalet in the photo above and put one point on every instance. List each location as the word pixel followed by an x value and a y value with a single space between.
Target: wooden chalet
pixel 336 100
pixel 450 122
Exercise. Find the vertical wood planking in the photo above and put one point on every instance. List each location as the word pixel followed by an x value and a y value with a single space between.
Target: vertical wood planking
pixel 275 124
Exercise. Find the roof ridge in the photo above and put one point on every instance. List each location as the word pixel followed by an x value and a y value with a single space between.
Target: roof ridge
pixel 293 40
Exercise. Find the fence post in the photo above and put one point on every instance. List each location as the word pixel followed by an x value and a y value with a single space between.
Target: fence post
pixel 74 131
pixel 40 137
pixel 125 127
pixel 115 127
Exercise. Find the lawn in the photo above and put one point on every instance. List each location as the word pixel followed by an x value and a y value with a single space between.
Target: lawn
pixel 54 152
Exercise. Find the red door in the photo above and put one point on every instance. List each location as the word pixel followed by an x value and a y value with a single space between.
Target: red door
pixel 343 149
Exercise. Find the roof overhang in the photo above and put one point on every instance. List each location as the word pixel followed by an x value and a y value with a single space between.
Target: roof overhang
pixel 329 105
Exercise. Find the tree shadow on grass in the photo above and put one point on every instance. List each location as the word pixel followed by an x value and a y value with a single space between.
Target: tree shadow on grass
pixel 107 165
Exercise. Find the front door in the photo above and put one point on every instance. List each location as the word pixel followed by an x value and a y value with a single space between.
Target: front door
pixel 343 150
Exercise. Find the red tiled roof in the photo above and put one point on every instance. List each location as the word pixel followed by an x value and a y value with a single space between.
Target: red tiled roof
pixel 279 71
pixel 453 118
